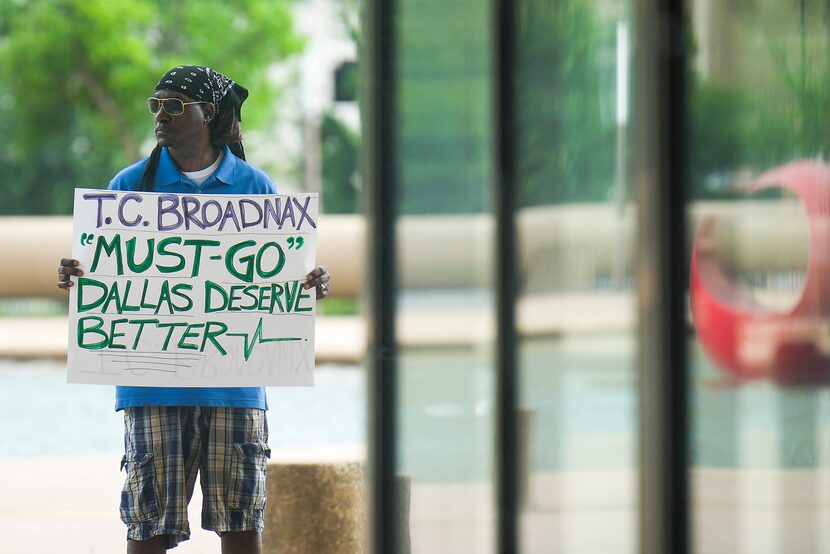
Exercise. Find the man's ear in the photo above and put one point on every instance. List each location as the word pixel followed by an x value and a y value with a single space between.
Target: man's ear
pixel 210 112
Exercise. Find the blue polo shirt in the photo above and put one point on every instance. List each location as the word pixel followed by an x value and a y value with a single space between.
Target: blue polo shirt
pixel 233 176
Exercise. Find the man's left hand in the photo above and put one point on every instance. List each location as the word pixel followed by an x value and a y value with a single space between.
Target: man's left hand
pixel 319 279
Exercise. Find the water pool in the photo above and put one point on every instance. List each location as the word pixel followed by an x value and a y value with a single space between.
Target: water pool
pixel 42 415
pixel 583 405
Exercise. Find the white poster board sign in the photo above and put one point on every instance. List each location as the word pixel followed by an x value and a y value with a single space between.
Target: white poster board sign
pixel 192 290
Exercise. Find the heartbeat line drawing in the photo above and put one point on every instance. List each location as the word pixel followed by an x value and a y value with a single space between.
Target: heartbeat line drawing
pixel 251 342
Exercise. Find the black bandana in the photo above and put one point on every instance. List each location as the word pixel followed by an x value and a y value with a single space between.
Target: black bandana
pixel 206 85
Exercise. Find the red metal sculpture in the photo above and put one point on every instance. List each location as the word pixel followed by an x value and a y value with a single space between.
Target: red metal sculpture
pixel 747 339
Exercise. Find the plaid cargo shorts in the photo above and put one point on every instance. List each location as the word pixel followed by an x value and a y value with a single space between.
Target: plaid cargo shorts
pixel 165 448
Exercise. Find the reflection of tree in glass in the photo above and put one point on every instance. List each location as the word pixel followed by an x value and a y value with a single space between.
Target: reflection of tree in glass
pixel 340 155
pixel 771 105
pixel 443 115
pixel 565 101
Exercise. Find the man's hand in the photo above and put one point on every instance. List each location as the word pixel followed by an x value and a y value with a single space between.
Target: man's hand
pixel 69 267
pixel 318 278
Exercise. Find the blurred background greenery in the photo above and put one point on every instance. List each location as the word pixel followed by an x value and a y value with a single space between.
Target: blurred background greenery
pixel 75 74
pixel 763 99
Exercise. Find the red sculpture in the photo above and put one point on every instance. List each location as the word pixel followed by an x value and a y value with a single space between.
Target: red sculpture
pixel 747 339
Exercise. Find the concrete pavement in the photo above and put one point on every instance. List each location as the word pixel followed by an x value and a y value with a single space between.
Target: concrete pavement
pixel 69 504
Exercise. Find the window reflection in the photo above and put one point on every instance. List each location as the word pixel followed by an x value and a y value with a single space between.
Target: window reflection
pixel 445 267
pixel 759 287
pixel 576 312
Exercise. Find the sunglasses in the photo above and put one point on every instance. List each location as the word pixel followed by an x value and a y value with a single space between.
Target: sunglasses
pixel 173 106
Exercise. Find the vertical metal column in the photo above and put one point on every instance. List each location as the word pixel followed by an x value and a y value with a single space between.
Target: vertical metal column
pixel 662 273
pixel 504 181
pixel 380 155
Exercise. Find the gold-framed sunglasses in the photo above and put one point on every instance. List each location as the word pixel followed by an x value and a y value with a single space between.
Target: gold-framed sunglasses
pixel 173 106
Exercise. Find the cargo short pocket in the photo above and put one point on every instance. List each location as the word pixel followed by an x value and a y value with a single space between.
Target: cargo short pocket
pixel 139 497
pixel 247 479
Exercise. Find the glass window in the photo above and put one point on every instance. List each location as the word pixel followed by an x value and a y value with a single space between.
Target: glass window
pixel 445 273
pixel 576 307
pixel 759 85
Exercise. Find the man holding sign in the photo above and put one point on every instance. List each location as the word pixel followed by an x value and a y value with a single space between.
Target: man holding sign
pixel 174 432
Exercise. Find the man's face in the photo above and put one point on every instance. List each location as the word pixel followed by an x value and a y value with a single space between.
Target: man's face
pixel 187 129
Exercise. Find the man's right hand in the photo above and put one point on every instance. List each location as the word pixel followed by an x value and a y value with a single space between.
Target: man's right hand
pixel 67 268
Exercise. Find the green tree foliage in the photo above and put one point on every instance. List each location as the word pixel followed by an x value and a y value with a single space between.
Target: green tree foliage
pixel 565 74
pixel 444 106
pixel 564 71
pixel 735 132
pixel 75 74
pixel 341 159
pixel 773 107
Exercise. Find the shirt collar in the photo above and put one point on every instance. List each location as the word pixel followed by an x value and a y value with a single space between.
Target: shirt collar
pixel 168 173
pixel 227 169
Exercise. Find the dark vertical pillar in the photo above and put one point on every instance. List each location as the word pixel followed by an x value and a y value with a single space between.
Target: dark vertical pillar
pixel 660 148
pixel 380 151
pixel 504 179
